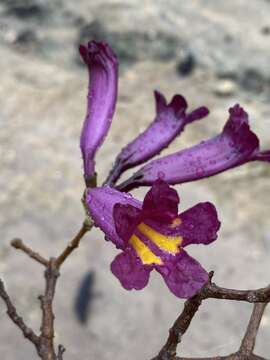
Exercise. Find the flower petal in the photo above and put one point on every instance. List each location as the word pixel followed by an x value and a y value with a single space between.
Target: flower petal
pixel 103 70
pixel 236 145
pixel 101 202
pixel 161 202
pixel 183 275
pixel 130 271
pixel 126 218
pixel 170 120
pixel 199 224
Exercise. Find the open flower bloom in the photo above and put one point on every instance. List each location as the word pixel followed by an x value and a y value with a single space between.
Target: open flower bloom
pixel 236 145
pixel 103 76
pixel 153 236
pixel 169 122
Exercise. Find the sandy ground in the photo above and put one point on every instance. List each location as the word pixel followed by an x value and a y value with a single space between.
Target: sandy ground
pixel 42 106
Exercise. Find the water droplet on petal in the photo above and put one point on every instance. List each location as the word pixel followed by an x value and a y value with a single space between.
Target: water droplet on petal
pixel 161 175
pixel 200 171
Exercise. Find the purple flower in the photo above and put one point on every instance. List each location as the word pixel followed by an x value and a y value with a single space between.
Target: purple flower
pixel 153 236
pixel 170 120
pixel 236 145
pixel 103 70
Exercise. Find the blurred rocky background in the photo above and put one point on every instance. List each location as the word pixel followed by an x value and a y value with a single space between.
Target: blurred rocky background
pixel 215 53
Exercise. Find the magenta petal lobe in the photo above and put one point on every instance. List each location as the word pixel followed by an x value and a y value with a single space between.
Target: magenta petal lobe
pixel 130 271
pixel 161 202
pixel 184 276
pixel 103 71
pixel 199 224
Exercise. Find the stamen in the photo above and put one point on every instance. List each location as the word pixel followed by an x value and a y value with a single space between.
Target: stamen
pixel 175 222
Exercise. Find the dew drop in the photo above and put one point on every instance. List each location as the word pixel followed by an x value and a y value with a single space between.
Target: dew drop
pixel 161 175
pixel 200 171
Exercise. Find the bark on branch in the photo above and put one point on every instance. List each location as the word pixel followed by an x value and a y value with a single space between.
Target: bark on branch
pixel 260 298
pixel 44 343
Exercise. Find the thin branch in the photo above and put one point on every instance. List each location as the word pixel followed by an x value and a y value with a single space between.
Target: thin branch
pixel 179 327
pixel 12 313
pixel 248 342
pixel 60 353
pixel 46 350
pixel 74 243
pixel 212 291
pixel 19 245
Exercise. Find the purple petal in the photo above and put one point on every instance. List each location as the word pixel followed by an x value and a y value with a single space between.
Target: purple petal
pixel 161 202
pixel 199 224
pixel 101 202
pixel 170 120
pixel 103 70
pixel 236 145
pixel 130 271
pixel 183 275
pixel 126 218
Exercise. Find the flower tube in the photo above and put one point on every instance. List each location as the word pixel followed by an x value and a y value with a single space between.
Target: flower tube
pixel 236 145
pixel 169 122
pixel 102 94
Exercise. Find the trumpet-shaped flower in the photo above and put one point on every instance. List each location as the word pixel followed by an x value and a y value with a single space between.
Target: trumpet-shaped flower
pixel 103 77
pixel 236 145
pixel 169 122
pixel 152 235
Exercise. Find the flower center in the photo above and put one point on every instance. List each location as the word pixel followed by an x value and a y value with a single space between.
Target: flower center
pixel 169 244
pixel 145 254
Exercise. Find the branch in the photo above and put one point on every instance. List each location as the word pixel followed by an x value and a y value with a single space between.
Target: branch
pixel 46 349
pixel 179 328
pixel 73 244
pixel 248 342
pixel 45 342
pixel 12 313
pixel 19 245
pixel 211 290
pixel 60 353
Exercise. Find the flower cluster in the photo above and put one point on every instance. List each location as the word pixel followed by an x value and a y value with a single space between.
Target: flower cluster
pixel 151 234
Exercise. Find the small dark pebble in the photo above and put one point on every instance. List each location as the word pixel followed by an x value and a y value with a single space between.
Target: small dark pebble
pixel 186 66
